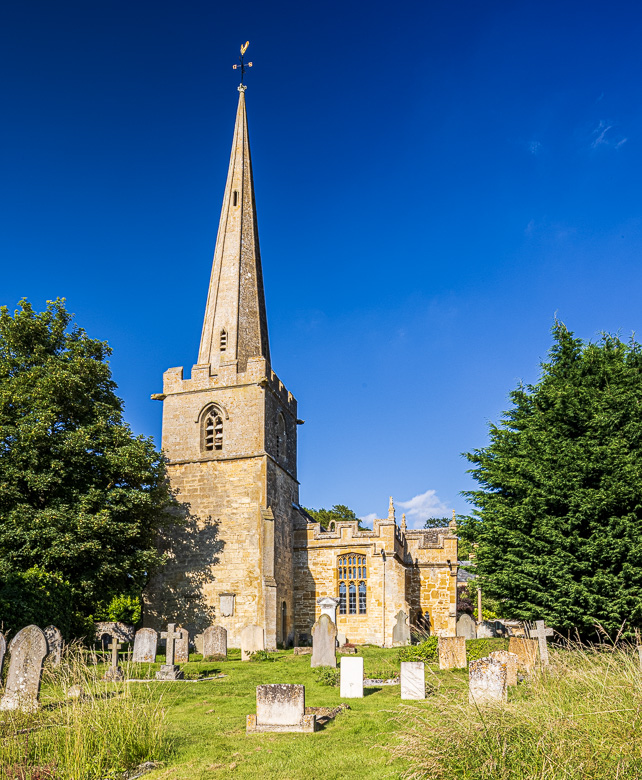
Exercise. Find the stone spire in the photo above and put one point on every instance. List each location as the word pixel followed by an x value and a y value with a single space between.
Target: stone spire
pixel 391 510
pixel 235 325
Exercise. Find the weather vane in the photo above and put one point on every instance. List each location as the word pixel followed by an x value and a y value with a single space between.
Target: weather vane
pixel 244 65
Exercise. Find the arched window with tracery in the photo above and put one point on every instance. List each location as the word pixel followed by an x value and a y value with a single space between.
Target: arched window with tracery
pixel 352 576
pixel 213 430
pixel 281 437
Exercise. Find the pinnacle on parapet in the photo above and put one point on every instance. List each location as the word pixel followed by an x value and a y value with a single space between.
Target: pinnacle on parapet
pixel 403 522
pixel 391 510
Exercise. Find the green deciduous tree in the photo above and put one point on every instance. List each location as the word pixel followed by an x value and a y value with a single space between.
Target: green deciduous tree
pixel 81 497
pixel 558 521
pixel 337 513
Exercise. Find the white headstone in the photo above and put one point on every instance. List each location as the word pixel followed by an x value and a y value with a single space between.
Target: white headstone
pixel 252 640
pixel 324 642
pixel 540 632
pixel 413 680
pixel 227 604
pixel 487 681
pixel 329 606
pixel 351 678
pixel 466 627
pixel 145 646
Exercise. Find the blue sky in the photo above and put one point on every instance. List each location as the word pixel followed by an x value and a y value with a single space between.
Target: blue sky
pixel 435 181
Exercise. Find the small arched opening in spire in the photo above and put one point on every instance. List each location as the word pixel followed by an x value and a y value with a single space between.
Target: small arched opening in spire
pixel 223 340
pixel 235 198
pixel 212 429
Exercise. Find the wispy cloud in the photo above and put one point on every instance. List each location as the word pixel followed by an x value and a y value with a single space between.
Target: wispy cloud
pixel 602 136
pixel 419 508
pixel 368 519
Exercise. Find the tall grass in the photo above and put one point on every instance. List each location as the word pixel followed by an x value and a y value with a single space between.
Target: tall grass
pixel 578 719
pixel 110 728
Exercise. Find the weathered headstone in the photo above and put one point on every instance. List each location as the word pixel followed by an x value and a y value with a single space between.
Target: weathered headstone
pixel 510 660
pixel 401 629
pixel 413 680
pixel 227 604
pixel 123 631
pixel 466 627
pixel 145 646
pixel 526 652
pixel 351 678
pixel 452 652
pixel 324 642
pixel 54 643
pixel 639 654
pixel 487 681
pixel 28 649
pixel 114 673
pixel 169 671
pixel 342 639
pixel 280 708
pixel 181 648
pixel 540 632
pixel 329 606
pixel 215 642
pixel 3 650
pixel 252 640
pixel 486 629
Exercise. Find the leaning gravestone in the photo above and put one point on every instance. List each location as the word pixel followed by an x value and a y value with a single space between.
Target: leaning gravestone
pixel 168 670
pixel 181 649
pixel 252 640
pixel 351 678
pixel 466 627
pixel 526 652
pixel 452 652
pixel 487 681
pixel 280 708
pixel 215 642
pixel 28 649
pixel 401 629
pixel 324 642
pixel 510 660
pixel 145 646
pixel 3 650
pixel 413 680
pixel 54 643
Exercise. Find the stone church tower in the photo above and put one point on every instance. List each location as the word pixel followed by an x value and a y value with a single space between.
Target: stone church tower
pixel 230 434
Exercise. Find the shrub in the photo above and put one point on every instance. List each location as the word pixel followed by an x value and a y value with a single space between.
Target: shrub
pixel 424 651
pixel 121 609
pixel 262 655
pixel 327 675
pixel 480 648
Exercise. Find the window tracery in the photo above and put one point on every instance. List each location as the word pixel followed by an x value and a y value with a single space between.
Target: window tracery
pixel 213 430
pixel 352 576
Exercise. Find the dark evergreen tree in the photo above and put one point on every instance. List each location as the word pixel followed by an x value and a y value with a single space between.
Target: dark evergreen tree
pixel 81 497
pixel 558 520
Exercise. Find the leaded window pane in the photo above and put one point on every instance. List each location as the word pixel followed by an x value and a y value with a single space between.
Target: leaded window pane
pixel 352 604
pixel 362 598
pixel 342 598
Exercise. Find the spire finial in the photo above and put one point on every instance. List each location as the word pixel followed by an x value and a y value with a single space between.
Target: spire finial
pixel 243 66
pixel 403 522
pixel 391 510
pixel 453 522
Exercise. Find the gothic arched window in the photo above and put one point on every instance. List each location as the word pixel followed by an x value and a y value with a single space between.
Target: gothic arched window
pixel 213 430
pixel 281 437
pixel 352 575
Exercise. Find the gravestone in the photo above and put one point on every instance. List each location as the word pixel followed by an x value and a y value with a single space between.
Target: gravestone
pixel 54 643
pixel 169 671
pixel 452 652
pixel 3 650
pixel 227 604
pixel 114 673
pixel 639 653
pixel 413 680
pixel 526 652
pixel 145 646
pixel 324 642
pixel 123 631
pixel 401 629
pixel 540 632
pixel 215 642
pixel 181 648
pixel 487 681
pixel 351 678
pixel 510 660
pixel 252 640
pixel 486 629
pixel 466 627
pixel 280 708
pixel 28 649
pixel 329 606
pixel 342 639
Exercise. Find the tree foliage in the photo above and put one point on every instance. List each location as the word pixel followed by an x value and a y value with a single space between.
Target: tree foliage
pixel 338 513
pixel 81 497
pixel 558 520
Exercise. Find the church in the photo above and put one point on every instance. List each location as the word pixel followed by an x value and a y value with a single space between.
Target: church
pixel 242 551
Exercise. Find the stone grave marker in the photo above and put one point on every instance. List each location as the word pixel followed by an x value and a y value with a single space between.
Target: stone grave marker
pixel 324 642
pixel 280 708
pixel 28 649
pixel 252 640
pixel 342 639
pixel 510 659
pixel 169 671
pixel 181 648
pixel 413 680
pixel 351 678
pixel 452 652
pixel 114 673
pixel 639 653
pixel 466 627
pixel 54 643
pixel 401 629
pixel 215 642
pixel 526 652
pixel 540 632
pixel 329 606
pixel 145 646
pixel 487 681
pixel 486 629
pixel 3 650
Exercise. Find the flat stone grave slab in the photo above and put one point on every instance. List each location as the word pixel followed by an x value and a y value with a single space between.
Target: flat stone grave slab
pixel 280 708
pixel 413 680
pixel 351 678
pixel 324 642
pixel 510 660
pixel 252 640
pixel 487 682
pixel 526 652
pixel 145 646
pixel 452 652
pixel 215 642
pixel 28 650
